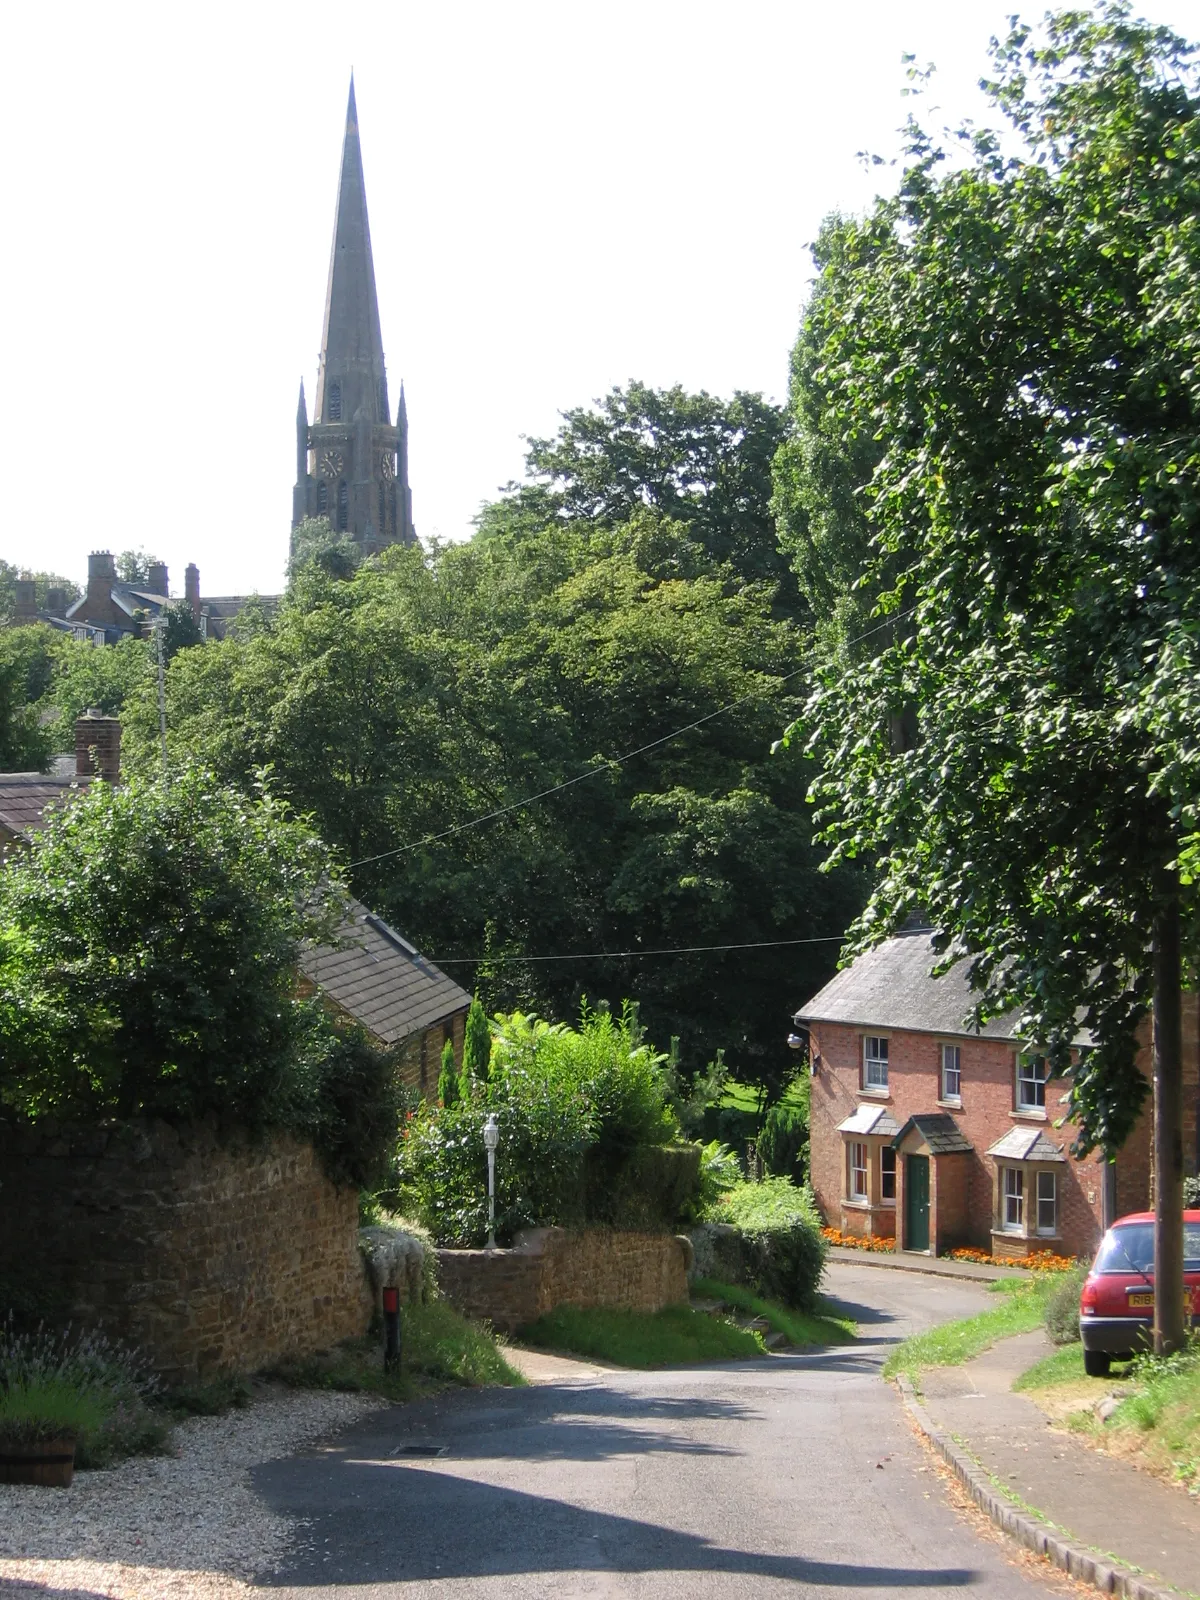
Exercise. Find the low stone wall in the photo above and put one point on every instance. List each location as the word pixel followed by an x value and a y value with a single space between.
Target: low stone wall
pixel 211 1255
pixel 550 1267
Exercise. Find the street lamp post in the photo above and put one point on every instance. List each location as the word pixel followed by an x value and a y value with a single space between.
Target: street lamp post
pixel 491 1138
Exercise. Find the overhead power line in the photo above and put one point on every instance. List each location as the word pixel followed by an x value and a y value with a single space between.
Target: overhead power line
pixel 613 955
pixel 607 764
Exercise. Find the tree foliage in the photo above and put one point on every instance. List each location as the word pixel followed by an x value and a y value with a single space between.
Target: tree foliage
pixel 425 690
pixel 148 947
pixel 1006 353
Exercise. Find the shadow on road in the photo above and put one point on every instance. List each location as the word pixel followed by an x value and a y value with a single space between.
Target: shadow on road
pixel 383 1523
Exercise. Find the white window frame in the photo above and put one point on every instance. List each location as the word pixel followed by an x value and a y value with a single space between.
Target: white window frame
pixel 1012 1200
pixel 876 1060
pixel 1027 1068
pixel 951 1053
pixel 1050 1179
pixel 859 1165
pixel 885 1175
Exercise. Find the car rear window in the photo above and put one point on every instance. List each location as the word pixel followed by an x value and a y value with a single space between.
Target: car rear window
pixel 1131 1248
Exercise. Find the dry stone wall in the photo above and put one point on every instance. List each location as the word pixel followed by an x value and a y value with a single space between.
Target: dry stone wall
pixel 211 1254
pixel 550 1267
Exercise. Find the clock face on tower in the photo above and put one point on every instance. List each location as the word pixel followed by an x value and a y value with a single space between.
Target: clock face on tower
pixel 332 464
pixel 389 468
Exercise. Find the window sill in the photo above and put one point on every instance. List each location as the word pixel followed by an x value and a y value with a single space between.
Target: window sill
pixel 857 1203
pixel 1029 1114
pixel 951 1104
pixel 875 1094
pixel 1020 1233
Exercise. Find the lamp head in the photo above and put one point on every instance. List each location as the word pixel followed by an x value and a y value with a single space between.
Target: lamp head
pixel 491 1132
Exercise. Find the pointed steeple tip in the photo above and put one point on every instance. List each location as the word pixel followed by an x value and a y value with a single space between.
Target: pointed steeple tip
pixel 302 408
pixel 351 108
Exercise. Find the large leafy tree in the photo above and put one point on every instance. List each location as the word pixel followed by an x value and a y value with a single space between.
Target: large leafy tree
pixel 1018 329
pixel 424 691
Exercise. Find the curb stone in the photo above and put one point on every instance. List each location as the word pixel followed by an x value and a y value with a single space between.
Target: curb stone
pixel 1073 1559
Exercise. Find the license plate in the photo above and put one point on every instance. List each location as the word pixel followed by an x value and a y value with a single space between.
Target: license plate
pixel 1141 1299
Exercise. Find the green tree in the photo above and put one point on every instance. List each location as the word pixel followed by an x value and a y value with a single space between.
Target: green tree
pixel 430 689
pixel 148 943
pixel 447 1089
pixel 43 583
pixel 477 1051
pixel 1019 331
pixel 133 567
pixel 182 629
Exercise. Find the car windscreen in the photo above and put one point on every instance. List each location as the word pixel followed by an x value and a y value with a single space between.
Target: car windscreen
pixel 1130 1248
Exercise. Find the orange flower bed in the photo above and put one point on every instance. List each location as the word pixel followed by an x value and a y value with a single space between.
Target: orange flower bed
pixel 1040 1261
pixel 852 1241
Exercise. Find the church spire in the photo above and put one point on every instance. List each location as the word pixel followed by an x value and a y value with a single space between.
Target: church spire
pixel 352 372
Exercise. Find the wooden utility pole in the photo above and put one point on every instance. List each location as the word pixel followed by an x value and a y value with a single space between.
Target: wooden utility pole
pixel 1170 1331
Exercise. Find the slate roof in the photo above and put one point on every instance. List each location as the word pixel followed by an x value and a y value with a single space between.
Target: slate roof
pixel 891 987
pixel 1027 1144
pixel 871 1119
pixel 939 1131
pixel 24 797
pixel 382 980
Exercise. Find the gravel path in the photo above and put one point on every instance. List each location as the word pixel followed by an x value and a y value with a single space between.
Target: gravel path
pixel 165 1527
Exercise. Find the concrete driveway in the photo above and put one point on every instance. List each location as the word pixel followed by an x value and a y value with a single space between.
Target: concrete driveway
pixel 794 1475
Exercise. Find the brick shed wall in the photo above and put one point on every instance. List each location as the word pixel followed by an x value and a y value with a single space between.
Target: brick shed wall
pixel 551 1267
pixel 985 1115
pixel 211 1256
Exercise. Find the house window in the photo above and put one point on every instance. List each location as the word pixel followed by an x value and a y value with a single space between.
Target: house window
pixel 335 402
pixel 1031 1083
pixel 1047 1202
pixel 875 1063
pixel 951 1072
pixel 343 503
pixel 887 1173
pixel 1014 1199
pixel 858 1172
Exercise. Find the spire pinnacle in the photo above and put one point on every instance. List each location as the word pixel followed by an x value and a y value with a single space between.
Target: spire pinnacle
pixel 352 371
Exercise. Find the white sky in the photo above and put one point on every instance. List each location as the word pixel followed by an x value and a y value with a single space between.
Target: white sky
pixel 563 196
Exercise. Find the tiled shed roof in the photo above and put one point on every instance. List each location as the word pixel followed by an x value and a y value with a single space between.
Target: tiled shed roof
pixel 381 980
pixel 24 797
pixel 871 1119
pixel 1026 1144
pixel 939 1131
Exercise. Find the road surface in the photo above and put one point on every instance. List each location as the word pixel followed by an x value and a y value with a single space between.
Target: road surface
pixel 794 1475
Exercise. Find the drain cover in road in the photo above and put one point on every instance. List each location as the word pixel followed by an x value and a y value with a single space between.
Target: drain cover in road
pixel 425 1447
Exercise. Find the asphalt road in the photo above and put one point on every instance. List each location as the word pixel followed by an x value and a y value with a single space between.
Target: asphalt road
pixel 795 1475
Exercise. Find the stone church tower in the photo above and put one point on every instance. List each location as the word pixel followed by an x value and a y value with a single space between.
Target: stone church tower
pixel 351 463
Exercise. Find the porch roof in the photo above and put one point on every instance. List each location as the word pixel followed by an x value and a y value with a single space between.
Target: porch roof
pixel 1026 1144
pixel 871 1119
pixel 939 1131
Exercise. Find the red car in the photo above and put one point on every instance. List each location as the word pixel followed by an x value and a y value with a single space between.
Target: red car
pixel 1116 1306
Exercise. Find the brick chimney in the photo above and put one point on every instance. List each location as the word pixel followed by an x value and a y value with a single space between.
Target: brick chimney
pixel 191 588
pixel 56 602
pixel 26 600
pixel 98 746
pixel 102 574
pixel 156 578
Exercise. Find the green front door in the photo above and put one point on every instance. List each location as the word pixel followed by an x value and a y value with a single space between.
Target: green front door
pixel 916 1203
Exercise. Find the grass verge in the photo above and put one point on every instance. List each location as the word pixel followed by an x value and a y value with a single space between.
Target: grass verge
pixel 1022 1309
pixel 674 1336
pixel 1064 1366
pixel 1160 1420
pixel 438 1347
pixel 798 1327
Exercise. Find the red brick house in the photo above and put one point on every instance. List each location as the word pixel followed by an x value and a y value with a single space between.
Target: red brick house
pixel 941 1136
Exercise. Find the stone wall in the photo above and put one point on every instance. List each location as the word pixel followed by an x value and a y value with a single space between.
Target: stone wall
pixel 211 1255
pixel 551 1267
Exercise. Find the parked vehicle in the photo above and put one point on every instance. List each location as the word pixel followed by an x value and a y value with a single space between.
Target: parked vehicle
pixel 1116 1304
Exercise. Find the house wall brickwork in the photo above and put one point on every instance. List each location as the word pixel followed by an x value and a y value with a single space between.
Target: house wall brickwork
pixel 211 1255
pixel 551 1267
pixel 986 1112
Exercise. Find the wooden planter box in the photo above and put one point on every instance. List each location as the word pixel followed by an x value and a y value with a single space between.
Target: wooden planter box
pixel 50 1462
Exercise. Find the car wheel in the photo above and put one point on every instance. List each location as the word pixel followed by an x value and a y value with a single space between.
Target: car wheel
pixel 1096 1363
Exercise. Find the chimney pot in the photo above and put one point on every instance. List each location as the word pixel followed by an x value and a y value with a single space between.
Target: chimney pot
pixel 101 564
pixel 26 600
pixel 56 601
pixel 98 746
pixel 191 588
pixel 156 577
